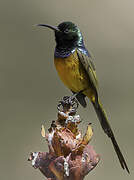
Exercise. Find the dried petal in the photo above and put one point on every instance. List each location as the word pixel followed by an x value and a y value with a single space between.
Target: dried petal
pixel 43 131
pixel 88 135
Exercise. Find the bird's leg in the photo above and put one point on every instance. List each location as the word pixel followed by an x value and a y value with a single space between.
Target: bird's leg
pixel 77 93
pixel 80 97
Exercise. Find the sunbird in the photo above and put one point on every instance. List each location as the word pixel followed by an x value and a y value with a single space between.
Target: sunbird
pixel 76 69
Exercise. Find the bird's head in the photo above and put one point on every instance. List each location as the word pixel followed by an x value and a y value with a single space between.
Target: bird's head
pixel 67 34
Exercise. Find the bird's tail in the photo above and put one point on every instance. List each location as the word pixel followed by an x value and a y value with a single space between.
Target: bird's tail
pixel 107 129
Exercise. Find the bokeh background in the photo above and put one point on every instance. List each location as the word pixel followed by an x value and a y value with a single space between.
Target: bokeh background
pixel 30 88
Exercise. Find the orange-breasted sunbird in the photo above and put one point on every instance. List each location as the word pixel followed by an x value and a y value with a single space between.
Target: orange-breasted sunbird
pixel 76 69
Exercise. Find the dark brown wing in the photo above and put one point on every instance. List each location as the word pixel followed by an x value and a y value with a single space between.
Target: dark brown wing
pixel 89 67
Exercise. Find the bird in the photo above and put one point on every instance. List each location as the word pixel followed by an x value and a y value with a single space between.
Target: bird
pixel 76 69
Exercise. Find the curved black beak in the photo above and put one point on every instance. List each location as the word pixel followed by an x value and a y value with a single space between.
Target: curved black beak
pixel 49 26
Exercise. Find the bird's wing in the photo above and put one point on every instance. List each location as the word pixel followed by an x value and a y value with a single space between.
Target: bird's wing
pixel 89 67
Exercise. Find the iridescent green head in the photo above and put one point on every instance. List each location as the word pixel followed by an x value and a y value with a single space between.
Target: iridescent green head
pixel 67 35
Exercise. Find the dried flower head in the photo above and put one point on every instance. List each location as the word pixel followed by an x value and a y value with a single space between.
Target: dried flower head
pixel 70 156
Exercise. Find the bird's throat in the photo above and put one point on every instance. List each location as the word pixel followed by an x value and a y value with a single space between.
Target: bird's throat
pixel 63 52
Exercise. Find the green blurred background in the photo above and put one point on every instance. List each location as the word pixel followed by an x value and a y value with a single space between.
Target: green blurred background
pixel 30 88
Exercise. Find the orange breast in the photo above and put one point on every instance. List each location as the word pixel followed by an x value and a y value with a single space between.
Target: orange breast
pixel 72 73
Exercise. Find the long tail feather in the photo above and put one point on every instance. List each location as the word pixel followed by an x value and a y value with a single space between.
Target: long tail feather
pixel 107 129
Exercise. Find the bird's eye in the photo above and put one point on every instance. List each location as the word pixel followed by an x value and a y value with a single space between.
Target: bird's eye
pixel 66 31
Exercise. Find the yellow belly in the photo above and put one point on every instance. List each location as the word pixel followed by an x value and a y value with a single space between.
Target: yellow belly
pixel 72 73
